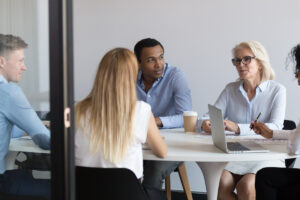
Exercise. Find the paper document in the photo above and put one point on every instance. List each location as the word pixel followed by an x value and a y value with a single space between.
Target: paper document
pixel 271 141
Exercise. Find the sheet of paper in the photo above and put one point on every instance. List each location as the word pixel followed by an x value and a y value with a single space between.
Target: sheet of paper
pixel 271 141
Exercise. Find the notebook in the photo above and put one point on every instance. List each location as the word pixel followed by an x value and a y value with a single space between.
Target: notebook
pixel 219 137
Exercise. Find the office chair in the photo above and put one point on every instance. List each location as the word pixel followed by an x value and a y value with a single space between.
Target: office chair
pixel 184 181
pixel 5 196
pixel 289 125
pixel 108 183
pixel 35 161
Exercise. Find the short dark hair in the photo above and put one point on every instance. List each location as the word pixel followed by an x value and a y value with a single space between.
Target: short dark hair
pixel 147 42
pixel 294 56
pixel 11 43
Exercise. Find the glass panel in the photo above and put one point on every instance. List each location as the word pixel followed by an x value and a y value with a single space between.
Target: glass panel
pixel 27 160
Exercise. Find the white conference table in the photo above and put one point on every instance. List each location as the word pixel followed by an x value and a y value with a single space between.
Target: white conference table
pixel 199 148
pixel 183 147
pixel 23 144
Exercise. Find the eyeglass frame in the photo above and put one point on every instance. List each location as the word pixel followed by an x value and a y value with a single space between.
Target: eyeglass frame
pixel 240 60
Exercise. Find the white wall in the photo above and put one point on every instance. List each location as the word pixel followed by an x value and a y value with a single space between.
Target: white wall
pixel 28 19
pixel 198 36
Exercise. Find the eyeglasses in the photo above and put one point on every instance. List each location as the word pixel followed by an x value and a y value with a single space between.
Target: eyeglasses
pixel 245 60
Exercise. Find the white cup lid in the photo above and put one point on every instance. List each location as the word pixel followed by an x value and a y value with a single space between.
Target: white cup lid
pixel 190 113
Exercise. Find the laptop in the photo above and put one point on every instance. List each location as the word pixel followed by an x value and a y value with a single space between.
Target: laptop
pixel 219 137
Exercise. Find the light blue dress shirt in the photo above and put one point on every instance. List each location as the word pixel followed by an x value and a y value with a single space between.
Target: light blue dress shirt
pixel 169 96
pixel 270 100
pixel 15 110
pixel 16 132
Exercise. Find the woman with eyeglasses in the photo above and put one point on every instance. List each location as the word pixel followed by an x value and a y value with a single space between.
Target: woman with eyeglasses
pixel 278 183
pixel 255 94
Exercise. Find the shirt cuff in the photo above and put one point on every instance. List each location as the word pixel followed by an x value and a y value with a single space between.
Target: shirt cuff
pixel 199 125
pixel 281 135
pixel 169 122
pixel 42 140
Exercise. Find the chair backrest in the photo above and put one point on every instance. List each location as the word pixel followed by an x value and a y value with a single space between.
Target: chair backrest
pixel 289 125
pixel 107 183
pixel 19 197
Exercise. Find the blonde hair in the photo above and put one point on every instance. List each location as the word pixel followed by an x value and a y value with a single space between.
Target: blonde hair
pixel 9 43
pixel 106 115
pixel 261 56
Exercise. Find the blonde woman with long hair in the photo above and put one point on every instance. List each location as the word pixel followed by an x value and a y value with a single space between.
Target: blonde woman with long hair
pixel 241 101
pixel 111 125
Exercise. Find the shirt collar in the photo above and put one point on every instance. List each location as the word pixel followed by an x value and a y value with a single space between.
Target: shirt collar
pixel 2 79
pixel 139 78
pixel 261 87
pixel 165 69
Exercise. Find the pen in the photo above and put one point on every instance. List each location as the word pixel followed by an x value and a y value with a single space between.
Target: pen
pixel 251 127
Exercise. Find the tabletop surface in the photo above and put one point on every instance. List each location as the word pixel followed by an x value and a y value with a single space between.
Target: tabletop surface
pixel 188 147
pixel 25 144
pixel 199 147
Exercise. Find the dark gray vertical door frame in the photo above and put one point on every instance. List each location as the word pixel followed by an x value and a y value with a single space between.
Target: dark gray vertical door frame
pixel 61 97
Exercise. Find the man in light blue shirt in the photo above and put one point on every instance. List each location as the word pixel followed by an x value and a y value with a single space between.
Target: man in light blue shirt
pixel 15 110
pixel 166 89
pixel 162 86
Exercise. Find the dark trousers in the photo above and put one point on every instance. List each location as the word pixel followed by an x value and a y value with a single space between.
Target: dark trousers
pixel 21 182
pixel 277 183
pixel 156 171
pixel 154 193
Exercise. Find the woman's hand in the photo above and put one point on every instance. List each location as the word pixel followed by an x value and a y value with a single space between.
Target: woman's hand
pixel 158 122
pixel 261 129
pixel 206 126
pixel 155 140
pixel 231 126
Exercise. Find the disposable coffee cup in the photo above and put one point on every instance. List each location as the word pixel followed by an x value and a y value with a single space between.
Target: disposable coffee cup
pixel 190 121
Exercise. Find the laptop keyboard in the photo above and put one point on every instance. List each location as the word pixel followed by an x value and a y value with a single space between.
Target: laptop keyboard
pixel 235 146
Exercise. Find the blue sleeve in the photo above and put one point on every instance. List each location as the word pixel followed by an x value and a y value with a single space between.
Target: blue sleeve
pixel 182 98
pixel 16 132
pixel 22 115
